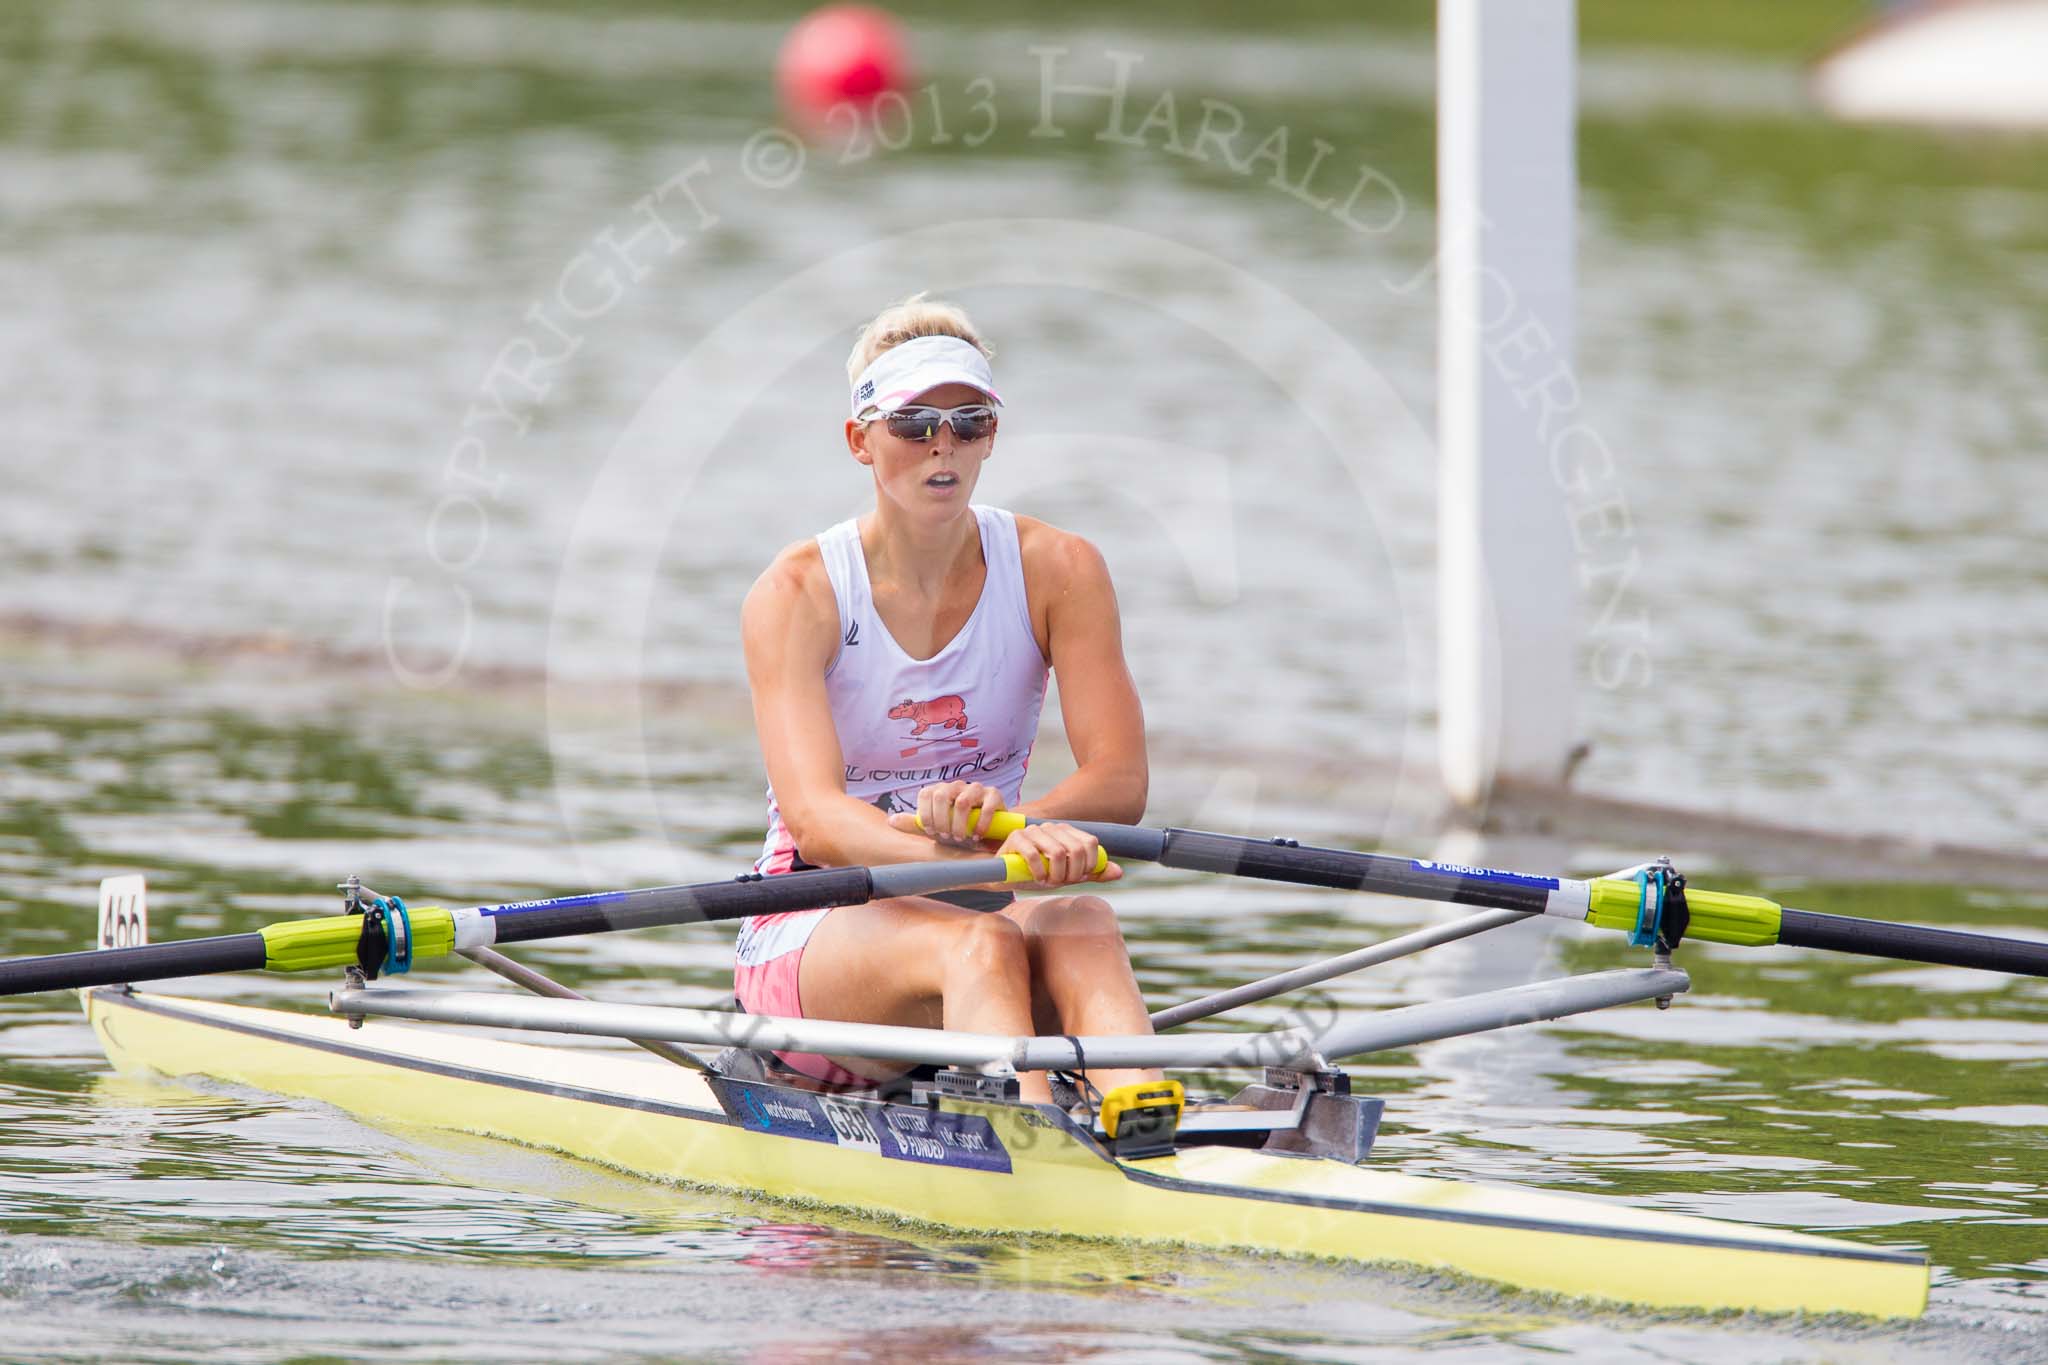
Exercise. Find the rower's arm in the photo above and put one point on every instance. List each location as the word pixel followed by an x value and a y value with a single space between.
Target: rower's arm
pixel 1068 582
pixel 789 628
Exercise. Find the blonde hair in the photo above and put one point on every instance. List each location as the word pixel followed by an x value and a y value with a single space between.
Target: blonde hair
pixel 916 316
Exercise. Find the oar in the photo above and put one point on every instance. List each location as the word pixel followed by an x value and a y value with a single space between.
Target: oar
pixel 1643 907
pixel 391 936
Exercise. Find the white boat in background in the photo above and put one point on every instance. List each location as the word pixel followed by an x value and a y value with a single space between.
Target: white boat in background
pixel 1980 63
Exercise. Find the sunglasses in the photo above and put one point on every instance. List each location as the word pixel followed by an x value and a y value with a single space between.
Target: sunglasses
pixel 970 423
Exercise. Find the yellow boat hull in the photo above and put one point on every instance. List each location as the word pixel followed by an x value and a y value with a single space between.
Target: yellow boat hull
pixel 997 1168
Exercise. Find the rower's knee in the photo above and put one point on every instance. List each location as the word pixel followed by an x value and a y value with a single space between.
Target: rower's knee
pixel 989 944
pixel 1073 916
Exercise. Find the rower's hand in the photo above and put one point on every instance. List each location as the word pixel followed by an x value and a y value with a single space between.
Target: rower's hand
pixel 1060 855
pixel 956 814
pixel 946 811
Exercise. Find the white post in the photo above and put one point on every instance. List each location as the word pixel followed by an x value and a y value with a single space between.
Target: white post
pixel 1507 179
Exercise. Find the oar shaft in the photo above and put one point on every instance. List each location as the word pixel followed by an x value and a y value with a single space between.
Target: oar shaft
pixel 1283 860
pixel 1605 902
pixel 1912 943
pixel 145 962
pixel 338 940
pixel 605 911
pixel 1346 870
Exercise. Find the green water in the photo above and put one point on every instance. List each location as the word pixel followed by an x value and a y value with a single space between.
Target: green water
pixel 1888 1104
pixel 260 259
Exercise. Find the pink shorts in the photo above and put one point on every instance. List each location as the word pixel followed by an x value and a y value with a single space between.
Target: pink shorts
pixel 768 958
pixel 769 954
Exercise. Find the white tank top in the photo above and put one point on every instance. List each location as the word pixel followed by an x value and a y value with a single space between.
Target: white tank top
pixel 969 713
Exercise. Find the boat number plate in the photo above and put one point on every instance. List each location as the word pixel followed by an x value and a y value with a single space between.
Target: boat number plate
pixel 124 912
pixel 901 1132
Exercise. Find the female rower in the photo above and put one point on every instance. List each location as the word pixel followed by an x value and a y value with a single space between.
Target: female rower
pixel 898 662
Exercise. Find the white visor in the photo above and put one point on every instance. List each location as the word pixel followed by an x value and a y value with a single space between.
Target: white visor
pixel 918 366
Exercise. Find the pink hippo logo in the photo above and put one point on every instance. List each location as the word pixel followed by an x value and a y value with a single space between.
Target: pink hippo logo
pixel 948 713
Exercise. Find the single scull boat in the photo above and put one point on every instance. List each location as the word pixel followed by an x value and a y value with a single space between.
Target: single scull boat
pixel 1282 1167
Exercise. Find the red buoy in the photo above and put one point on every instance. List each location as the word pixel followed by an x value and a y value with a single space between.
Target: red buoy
pixel 842 55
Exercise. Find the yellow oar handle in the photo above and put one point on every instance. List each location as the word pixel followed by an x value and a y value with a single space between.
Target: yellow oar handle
pixel 1002 823
pixel 1020 871
pixel 1007 822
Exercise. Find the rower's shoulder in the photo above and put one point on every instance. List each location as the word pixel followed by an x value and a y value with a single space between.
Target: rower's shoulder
pixel 1052 554
pixel 795 584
